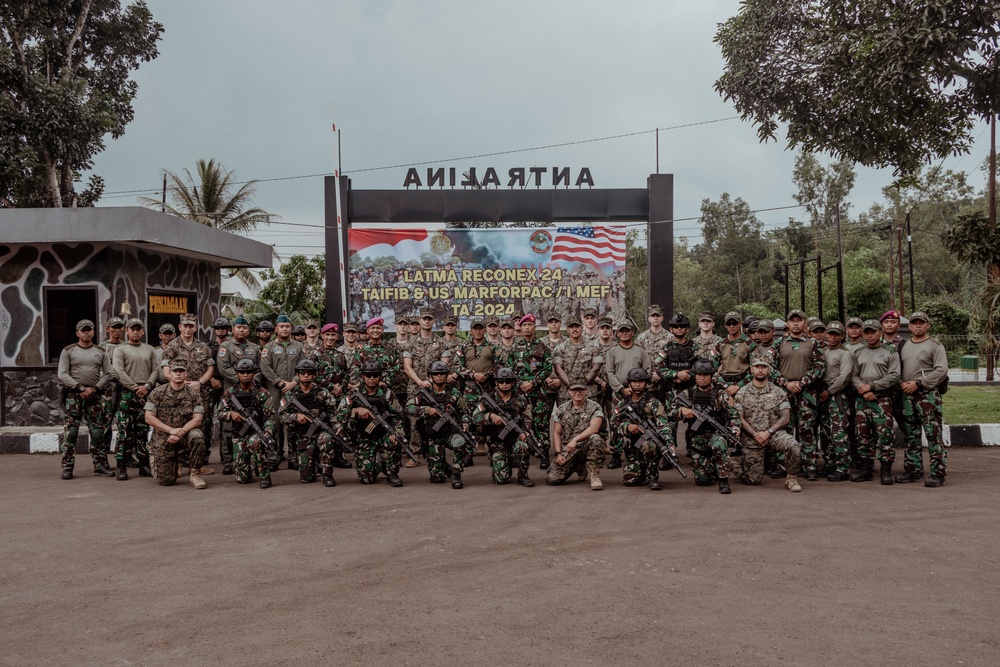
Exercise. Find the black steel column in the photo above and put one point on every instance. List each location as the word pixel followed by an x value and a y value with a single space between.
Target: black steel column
pixel 660 241
pixel 334 276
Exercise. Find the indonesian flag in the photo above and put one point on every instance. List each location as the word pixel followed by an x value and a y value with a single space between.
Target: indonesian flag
pixel 387 239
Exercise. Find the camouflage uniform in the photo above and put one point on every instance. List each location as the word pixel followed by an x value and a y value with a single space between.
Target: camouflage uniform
pixel 277 363
pixel 81 367
pixel 878 367
pixel 587 458
pixel 511 452
pixel 369 439
pixel 198 357
pixel 315 446
pixel 248 456
pixel 926 363
pixel 674 357
pixel 332 371
pixel 577 361
pixel 421 352
pixel 452 400
pixel 654 343
pixel 732 359
pixel 532 362
pixel 708 348
pixel 835 413
pixel 133 432
pixel 641 462
pixel 384 354
pixel 709 450
pixel 175 408
pixel 761 407
pixel 801 359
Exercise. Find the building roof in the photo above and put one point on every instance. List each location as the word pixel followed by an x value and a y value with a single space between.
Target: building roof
pixel 134 226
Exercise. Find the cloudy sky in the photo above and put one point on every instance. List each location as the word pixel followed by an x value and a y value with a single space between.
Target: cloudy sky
pixel 256 85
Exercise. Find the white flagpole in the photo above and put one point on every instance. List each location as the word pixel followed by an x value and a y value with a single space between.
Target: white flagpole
pixel 340 234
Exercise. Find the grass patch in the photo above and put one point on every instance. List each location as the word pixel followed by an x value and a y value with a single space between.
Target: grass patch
pixel 972 405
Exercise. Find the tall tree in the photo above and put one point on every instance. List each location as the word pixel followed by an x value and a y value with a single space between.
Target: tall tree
pixel 822 190
pixel 210 199
pixel 296 288
pixel 884 84
pixel 65 68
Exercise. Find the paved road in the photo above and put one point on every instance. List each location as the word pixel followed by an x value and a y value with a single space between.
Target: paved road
pixel 96 571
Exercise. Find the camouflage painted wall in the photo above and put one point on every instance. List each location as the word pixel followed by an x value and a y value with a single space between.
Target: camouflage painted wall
pixel 120 273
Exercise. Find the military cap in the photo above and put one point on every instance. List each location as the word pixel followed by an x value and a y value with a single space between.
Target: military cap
pixel 919 315
pixel 450 319
pixel 362 327
pixel 330 326
pixel 816 324
pixel 402 319
pixel 116 322
pixel 222 323
pixel 574 319
pixel 871 325
pixel 283 319
pixel 375 321
pixel 732 315
pixel 178 363
pixel 506 322
pixel 553 316
pixel 760 360
pixel 854 321
pixel 167 328
pixel 889 315
pixel 835 327
pixel 750 321
pixel 478 322
pixel 764 325
pixel 426 312
pixel 706 317
pixel 83 324
pixel 577 385
pixel 527 318
pixel 265 325
pixel 298 330
pixel 654 310
pixel 492 319
pixel 351 326
pixel 239 319
pixel 624 324
pixel 135 322
pixel 312 323
pixel 590 312
pixel 792 314
pixel 189 317
pixel 605 321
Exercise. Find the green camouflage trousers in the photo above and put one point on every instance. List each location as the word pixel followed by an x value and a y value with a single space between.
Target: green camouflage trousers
pixel 541 414
pixel 164 456
pixel 248 459
pixel 437 466
pixel 641 463
pixel 834 430
pixel 506 456
pixel 922 410
pixel 78 410
pixel 751 470
pixel 805 414
pixel 309 450
pixel 591 452
pixel 368 458
pixel 709 455
pixel 133 432
pixel 873 424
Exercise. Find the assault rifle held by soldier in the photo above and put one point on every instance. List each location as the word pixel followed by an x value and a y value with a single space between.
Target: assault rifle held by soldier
pixel 315 422
pixel 650 432
pixel 446 418
pixel 703 417
pixel 510 424
pixel 378 419
pixel 249 423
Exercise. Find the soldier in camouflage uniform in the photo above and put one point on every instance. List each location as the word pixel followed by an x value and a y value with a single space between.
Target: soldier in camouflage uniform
pixel 200 364
pixel 513 450
pixel 248 455
pixel 134 364
pixel 706 343
pixel 576 438
pixel 835 403
pixel 278 360
pixel 313 341
pixel 507 340
pixel 732 356
pixel 112 397
pixel 640 461
pixel 764 413
pixel 475 366
pixel 553 385
pixel 876 378
pixel 332 370
pixel 230 353
pixel 674 361
pixel 493 330
pixel 451 344
pixel 421 351
pixel 709 450
pixel 376 451
pixel 175 411
pixel 380 351
pixel 306 441
pixel 85 372
pixel 532 364
pixel 576 360
pixel 653 341
pixel 222 329
pixel 924 363
pixel 589 320
pixel 450 399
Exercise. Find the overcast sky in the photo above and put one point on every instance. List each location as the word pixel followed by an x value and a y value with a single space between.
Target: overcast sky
pixel 256 85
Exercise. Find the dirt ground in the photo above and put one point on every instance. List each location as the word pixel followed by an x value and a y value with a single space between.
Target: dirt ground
pixel 100 572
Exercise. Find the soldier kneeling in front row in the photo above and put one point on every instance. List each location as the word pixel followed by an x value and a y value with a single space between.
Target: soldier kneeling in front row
pixel 578 447
pixel 249 453
pixel 507 446
pixel 175 411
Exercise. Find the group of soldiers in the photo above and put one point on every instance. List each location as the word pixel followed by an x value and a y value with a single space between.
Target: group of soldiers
pixel 820 400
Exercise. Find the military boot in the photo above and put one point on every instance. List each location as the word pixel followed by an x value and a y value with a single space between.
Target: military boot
pixel 468 461
pixel 103 469
pixel 524 480
pixel 328 480
pixel 393 480
pixel 792 484
pixel 196 480
pixel 654 485
pixel 144 469
pixel 934 481
pixel 543 464
pixel 340 462
pixel 837 476
pixel 909 477
pixel 616 461
pixel 265 483
pixel 456 480
pixel 595 477
pixel 67 473
pixel 885 474
pixel 122 472
pixel 724 486
pixel 865 472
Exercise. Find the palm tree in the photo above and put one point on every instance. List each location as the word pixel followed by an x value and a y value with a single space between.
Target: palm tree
pixel 214 203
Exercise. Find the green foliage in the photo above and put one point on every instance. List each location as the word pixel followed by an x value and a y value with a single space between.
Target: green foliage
pixel 822 190
pixel 947 318
pixel 637 277
pixel 297 288
pixel 881 84
pixel 973 240
pixel 65 69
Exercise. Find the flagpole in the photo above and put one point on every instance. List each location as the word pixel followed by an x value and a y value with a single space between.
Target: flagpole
pixel 340 233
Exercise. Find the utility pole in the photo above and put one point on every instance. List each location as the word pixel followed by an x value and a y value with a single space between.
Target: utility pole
pixel 842 296
pixel 992 271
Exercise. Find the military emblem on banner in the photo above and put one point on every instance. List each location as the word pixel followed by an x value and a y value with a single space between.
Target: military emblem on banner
pixel 441 244
pixel 541 241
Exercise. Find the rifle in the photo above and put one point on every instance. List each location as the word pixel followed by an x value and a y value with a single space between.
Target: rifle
pixel 446 418
pixel 650 432
pixel 315 422
pixel 510 424
pixel 250 423
pixel 703 417
pixel 378 419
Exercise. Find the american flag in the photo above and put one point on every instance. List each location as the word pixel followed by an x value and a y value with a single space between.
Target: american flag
pixel 597 246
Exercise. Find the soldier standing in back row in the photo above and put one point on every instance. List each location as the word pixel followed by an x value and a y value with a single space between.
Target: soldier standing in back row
pixel 834 402
pixel 875 380
pixel 733 356
pixel 531 362
pixel 800 366
pixel 85 372
pixel 134 364
pixel 924 369
pixel 278 360
pixel 421 351
pixel 199 363
pixel 706 342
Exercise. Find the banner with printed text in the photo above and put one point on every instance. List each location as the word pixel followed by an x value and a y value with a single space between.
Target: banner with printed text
pixel 476 273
